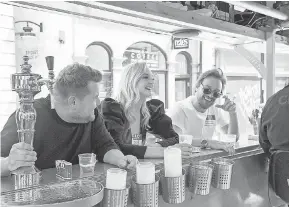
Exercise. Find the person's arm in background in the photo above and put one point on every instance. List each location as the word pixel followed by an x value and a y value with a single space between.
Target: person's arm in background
pixel 233 126
pixel 263 138
pixel 13 153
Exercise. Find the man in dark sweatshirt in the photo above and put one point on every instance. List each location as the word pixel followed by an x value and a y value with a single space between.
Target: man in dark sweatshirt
pixel 73 126
pixel 274 127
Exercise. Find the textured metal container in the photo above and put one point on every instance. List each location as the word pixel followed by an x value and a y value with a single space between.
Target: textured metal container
pixel 145 195
pixel 173 188
pixel 222 173
pixel 24 180
pixel 200 178
pixel 115 198
pixel 82 192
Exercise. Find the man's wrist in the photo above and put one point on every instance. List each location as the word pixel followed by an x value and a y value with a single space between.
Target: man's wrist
pixel 209 143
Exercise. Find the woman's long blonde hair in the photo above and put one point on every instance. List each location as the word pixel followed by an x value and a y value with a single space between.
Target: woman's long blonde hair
pixel 128 94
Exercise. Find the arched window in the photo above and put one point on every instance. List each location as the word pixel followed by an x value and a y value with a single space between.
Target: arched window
pixel 99 57
pixel 183 78
pixel 156 60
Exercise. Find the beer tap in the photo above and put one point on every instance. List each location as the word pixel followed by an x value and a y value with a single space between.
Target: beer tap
pixel 27 85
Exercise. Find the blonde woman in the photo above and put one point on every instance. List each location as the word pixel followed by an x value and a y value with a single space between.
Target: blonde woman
pixel 129 116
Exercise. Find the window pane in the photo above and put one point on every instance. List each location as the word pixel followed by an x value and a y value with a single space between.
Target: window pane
pixel 98 58
pixel 182 64
pixel 159 91
pixel 180 93
pixel 105 87
pixel 281 83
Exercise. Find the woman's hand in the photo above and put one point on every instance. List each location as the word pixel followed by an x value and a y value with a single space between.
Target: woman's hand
pixel 128 162
pixel 185 148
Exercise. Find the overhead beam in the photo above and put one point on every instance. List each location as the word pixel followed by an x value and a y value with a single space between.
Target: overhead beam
pixel 189 19
pixel 92 13
pixel 270 58
pixel 153 17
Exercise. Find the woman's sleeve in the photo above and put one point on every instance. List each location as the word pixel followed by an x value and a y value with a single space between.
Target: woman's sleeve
pixel 114 119
pixel 161 124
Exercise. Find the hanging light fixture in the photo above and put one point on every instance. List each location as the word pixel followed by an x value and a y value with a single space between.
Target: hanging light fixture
pixel 27 44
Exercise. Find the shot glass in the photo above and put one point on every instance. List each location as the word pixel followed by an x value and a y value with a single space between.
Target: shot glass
pixel 150 139
pixel 230 140
pixel 184 138
pixel 87 163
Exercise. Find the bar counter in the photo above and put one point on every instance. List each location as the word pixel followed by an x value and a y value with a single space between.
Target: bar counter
pixel 249 185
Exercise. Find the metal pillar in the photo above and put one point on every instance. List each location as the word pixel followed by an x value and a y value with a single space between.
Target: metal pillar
pixel 270 64
pixel 270 57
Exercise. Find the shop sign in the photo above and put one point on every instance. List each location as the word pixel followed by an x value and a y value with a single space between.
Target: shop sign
pixel 180 43
pixel 151 58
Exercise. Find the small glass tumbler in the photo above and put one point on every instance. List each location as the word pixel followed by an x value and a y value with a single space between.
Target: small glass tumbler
pixel 184 138
pixel 230 140
pixel 87 163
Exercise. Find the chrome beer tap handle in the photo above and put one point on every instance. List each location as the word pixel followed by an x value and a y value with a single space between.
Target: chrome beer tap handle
pixel 27 85
pixel 50 80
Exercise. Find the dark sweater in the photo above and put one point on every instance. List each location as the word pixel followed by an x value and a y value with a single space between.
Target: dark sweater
pixel 56 139
pixel 274 127
pixel 119 127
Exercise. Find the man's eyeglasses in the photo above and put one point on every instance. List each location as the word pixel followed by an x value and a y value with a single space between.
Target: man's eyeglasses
pixel 208 91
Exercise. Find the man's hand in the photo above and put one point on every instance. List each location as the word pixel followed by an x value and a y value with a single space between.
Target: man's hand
pixel 226 146
pixel 21 154
pixel 186 149
pixel 229 105
pixel 128 161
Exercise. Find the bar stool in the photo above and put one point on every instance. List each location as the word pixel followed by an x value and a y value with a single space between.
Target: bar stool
pixel 278 176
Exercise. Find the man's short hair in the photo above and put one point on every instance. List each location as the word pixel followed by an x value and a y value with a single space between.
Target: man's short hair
pixel 74 78
pixel 216 73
